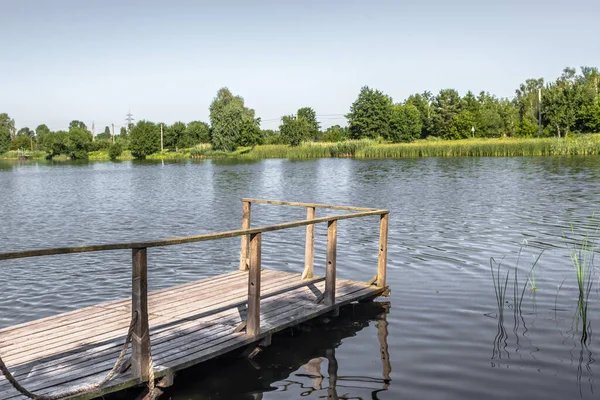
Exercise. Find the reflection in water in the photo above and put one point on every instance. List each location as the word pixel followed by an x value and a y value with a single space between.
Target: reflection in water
pixel 294 364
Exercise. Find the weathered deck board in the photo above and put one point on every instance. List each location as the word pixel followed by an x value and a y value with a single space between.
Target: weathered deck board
pixel 189 324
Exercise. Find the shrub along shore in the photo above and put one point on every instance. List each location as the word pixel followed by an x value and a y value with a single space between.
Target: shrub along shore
pixel 504 147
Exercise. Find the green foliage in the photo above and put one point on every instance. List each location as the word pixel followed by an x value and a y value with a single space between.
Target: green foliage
pixel 105 135
pixel 78 142
pixel 21 142
pixel 250 133
pixel 423 104
pixel 26 132
pixel 272 137
pixel 55 143
pixel 405 123
pixel 145 139
pixel 335 134
pixel 115 150
pixel 7 128
pixel 99 144
pixel 311 117
pixel 77 124
pixel 294 130
pixel 228 118
pixel 526 128
pixel 369 115
pixel 197 132
pixel 123 133
pixel 174 135
pixel 446 106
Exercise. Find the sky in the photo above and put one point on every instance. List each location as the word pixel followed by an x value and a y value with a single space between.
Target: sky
pixel 165 60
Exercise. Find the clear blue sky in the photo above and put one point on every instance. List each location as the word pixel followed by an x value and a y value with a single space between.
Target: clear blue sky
pixel 94 60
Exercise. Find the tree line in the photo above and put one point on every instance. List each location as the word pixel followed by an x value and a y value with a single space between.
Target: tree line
pixel 570 104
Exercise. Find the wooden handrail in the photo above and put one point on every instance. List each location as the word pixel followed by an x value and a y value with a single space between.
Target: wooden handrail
pixel 314 205
pixel 187 239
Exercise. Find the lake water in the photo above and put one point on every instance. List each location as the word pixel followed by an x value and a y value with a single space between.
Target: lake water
pixel 449 217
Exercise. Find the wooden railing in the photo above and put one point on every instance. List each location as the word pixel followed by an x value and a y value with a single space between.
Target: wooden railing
pixel 250 260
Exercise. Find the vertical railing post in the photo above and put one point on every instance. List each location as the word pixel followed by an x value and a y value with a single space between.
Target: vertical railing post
pixel 245 238
pixel 309 249
pixel 383 243
pixel 331 260
pixel 253 321
pixel 140 340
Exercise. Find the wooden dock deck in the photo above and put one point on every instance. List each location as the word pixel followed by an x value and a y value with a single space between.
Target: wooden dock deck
pixel 70 355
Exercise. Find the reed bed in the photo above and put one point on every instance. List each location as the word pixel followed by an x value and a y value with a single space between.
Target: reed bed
pixel 581 145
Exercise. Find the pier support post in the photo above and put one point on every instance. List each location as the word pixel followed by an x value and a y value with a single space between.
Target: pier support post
pixel 332 371
pixel 245 238
pixel 383 243
pixel 309 251
pixel 331 261
pixel 140 340
pixel 253 326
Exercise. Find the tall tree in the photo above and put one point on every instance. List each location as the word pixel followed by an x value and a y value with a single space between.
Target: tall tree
pixel 228 115
pixel 447 106
pixel 405 123
pixel 423 103
pixel 174 135
pixel 311 117
pixel 78 143
pixel 7 129
pixel 369 115
pixel 25 131
pixel 294 129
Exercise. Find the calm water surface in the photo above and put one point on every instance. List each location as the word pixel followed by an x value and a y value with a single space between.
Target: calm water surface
pixel 441 326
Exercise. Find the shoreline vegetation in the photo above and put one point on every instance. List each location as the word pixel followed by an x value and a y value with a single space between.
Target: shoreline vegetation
pixel 581 145
pixel 560 117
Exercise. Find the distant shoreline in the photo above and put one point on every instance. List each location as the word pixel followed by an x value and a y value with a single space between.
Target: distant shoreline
pixel 364 149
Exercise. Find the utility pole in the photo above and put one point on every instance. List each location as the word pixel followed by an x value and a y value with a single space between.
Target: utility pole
pixel 129 119
pixel 113 132
pixel 161 138
pixel 539 112
pixel 93 132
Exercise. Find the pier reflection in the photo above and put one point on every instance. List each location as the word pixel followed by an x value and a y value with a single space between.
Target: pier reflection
pixel 300 362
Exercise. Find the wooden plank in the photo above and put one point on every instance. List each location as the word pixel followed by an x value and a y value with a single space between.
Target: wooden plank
pixel 253 325
pixel 183 240
pixel 309 250
pixel 352 291
pixel 245 238
pixel 313 205
pixel 329 297
pixel 218 303
pixel 383 242
pixel 140 339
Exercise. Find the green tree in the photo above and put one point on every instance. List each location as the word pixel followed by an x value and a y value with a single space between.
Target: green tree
pixel 294 129
pixel 145 139
pixel 423 103
pixel 78 141
pixel 20 142
pixel 55 143
pixel 250 133
pixel 114 151
pixel 228 116
pixel 335 133
pixel 40 132
pixel 7 129
pixel 104 135
pixel 123 133
pixel 405 123
pixel 26 132
pixel 447 105
pixel 272 137
pixel 77 124
pixel 174 136
pixel 197 132
pixel 369 115
pixel 311 117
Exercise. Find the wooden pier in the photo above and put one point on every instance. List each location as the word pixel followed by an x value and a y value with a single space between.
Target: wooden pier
pixel 109 347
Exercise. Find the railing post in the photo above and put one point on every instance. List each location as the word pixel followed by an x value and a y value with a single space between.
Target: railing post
pixel 309 250
pixel 331 260
pixel 383 243
pixel 253 321
pixel 140 340
pixel 245 238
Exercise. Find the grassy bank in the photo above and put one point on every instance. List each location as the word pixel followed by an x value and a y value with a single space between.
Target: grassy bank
pixel 503 147
pixel 32 155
